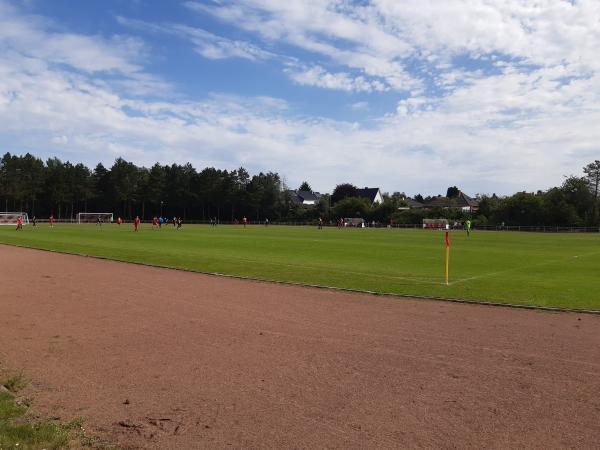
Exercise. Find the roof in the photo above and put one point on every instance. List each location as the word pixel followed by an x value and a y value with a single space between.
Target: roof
pixel 462 201
pixel 465 200
pixel 307 196
pixel 412 203
pixel 442 202
pixel 368 193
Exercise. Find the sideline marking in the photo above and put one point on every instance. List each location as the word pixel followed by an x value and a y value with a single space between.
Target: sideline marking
pixel 330 269
pixel 331 288
pixel 545 263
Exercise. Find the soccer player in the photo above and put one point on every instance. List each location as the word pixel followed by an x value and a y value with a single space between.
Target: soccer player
pixel 98 221
pixel 179 222
pixel 154 222
pixel 320 223
pixel 33 221
pixel 136 223
pixel 119 221
pixel 51 220
pixel 266 222
pixel 19 223
pixel 245 221
pixel 468 226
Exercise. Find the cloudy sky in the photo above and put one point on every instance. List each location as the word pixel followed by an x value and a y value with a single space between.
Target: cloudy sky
pixel 490 95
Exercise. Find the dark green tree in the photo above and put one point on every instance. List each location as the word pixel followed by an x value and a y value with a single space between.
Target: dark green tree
pixel 305 187
pixel 557 211
pixel 352 207
pixel 452 192
pixel 32 174
pixel 343 191
pixel 56 186
pixel 124 178
pixel 80 187
pixel 102 190
pixel 577 193
pixel 592 174
pixel 143 189
pixel 155 186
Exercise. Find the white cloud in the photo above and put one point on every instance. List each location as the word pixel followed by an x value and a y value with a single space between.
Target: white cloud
pixel 384 37
pixel 207 44
pixel 319 77
pixel 503 88
pixel 521 122
pixel 359 106
pixel 33 37
pixel 320 27
pixel 214 47
pixel 424 150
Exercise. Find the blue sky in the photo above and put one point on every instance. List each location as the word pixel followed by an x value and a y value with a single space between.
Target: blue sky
pixel 413 97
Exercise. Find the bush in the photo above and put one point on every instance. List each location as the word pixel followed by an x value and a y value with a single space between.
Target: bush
pixel 351 207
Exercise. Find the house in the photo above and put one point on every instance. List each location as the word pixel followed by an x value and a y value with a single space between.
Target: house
pixel 462 201
pixel 410 203
pixel 466 203
pixel 440 202
pixel 413 204
pixel 373 195
pixel 305 198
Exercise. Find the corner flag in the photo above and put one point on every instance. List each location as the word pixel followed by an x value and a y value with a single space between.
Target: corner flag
pixel 447 255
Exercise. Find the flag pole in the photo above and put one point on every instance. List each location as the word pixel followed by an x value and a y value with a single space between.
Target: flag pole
pixel 447 255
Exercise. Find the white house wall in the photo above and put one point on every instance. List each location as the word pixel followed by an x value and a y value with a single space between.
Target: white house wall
pixel 378 198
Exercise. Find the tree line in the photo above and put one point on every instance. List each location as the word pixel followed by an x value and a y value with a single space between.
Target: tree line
pixel 63 189
pixel 574 203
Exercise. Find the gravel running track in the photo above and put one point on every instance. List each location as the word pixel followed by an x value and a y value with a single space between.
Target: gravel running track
pixel 158 358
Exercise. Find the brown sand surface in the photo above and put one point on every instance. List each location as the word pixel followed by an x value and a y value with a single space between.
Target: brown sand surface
pixel 157 358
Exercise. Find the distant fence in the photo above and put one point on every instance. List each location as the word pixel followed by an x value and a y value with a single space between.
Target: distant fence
pixel 539 229
pixel 535 229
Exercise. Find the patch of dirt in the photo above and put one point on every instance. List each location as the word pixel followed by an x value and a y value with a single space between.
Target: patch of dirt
pixel 157 358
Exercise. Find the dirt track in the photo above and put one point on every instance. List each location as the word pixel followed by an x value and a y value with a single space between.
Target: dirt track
pixel 208 362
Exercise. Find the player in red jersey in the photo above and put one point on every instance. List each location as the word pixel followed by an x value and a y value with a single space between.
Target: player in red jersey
pixel 19 223
pixel 51 220
pixel 245 221
pixel 136 223
pixel 155 222
pixel 119 221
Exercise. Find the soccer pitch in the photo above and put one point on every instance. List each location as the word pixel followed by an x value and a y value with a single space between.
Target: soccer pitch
pixel 555 270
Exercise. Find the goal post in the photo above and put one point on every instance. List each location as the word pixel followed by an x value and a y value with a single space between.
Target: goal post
pixel 435 224
pixel 93 217
pixel 10 218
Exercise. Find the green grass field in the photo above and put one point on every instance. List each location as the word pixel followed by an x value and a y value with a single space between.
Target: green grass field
pixel 557 270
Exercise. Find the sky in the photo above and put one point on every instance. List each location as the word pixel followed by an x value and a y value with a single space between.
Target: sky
pixel 494 96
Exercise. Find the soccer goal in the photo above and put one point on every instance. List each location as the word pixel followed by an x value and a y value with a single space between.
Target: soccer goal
pixel 10 218
pixel 435 224
pixel 94 217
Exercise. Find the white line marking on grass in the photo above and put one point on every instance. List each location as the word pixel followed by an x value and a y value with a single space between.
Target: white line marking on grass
pixel 416 280
pixel 545 263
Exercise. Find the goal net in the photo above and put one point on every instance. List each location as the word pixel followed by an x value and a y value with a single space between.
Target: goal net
pixel 94 217
pixel 435 224
pixel 10 218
